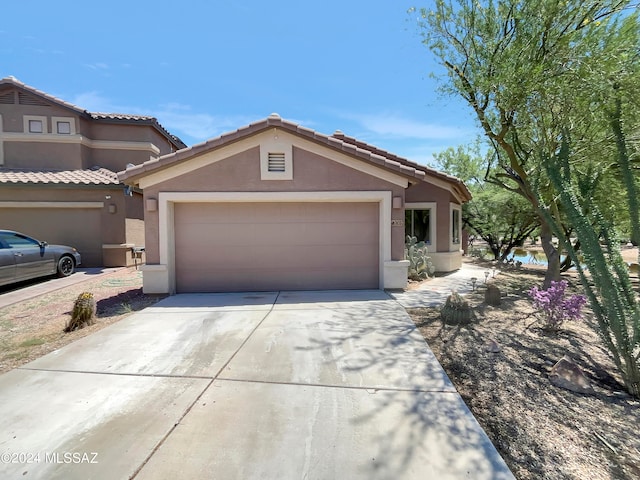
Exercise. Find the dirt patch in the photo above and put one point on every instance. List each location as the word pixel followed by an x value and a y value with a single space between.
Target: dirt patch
pixel 541 431
pixel 35 327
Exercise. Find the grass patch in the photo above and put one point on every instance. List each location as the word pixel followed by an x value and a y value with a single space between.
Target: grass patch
pixel 32 342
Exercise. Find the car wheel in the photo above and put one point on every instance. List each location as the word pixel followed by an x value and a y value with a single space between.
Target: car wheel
pixel 66 266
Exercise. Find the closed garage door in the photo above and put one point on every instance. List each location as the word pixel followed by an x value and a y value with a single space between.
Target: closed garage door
pixel 76 227
pixel 223 247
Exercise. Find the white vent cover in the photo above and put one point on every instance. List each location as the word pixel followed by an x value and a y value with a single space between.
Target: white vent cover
pixel 276 156
pixel 276 162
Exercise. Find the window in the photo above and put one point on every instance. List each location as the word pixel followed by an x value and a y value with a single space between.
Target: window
pixel 455 226
pixel 15 240
pixel 417 223
pixel 63 125
pixel 35 124
pixel 63 128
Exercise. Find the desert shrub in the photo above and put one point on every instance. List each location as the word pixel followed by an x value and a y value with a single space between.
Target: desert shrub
pixel 456 310
pixel 553 307
pixel 492 296
pixel 420 266
pixel 84 312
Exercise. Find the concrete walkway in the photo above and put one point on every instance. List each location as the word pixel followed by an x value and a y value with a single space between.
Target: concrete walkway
pixel 283 385
pixel 435 291
pixel 11 294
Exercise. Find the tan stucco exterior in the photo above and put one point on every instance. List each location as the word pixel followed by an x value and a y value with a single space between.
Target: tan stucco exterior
pixel 315 168
pixel 41 193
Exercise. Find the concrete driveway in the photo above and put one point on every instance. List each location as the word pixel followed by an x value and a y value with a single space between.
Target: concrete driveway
pixel 283 385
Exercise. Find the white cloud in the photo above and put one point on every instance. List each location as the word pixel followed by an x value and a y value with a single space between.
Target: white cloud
pixel 395 126
pixel 97 66
pixel 177 118
pixel 182 121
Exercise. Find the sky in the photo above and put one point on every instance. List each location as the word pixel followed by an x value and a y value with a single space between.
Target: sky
pixel 206 67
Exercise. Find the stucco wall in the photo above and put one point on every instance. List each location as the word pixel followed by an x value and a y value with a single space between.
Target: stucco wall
pixel 73 223
pixel 241 172
pixel 427 192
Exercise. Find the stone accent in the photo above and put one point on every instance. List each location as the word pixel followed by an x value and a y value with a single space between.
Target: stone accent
pixel 568 375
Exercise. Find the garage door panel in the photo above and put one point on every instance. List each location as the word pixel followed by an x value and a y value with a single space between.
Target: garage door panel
pixel 277 246
pixel 317 233
pixel 247 279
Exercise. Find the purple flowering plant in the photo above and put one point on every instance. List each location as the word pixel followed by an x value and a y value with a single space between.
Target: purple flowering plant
pixel 554 307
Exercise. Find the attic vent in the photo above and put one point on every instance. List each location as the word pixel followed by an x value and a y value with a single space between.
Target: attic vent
pixel 7 98
pixel 276 162
pixel 26 99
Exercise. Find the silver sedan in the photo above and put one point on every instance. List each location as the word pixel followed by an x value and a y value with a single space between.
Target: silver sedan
pixel 24 258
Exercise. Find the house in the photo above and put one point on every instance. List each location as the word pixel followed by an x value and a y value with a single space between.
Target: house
pixel 57 173
pixel 277 206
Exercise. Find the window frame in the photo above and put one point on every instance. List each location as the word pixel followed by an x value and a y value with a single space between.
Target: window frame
pixel 454 209
pixel 35 118
pixel 55 121
pixel 432 207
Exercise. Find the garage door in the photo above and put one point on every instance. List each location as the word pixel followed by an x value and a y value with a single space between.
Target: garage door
pixel 76 227
pixel 225 247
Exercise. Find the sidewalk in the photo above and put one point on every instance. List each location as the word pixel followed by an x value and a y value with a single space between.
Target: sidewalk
pixel 46 285
pixel 435 291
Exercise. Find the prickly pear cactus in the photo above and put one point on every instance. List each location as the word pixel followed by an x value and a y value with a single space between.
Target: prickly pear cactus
pixel 420 266
pixel 456 310
pixel 84 312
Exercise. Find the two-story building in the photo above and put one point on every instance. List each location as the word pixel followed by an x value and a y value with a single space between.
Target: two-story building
pixel 58 165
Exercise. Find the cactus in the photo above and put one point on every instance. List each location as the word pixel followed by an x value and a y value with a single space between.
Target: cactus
pixel 607 286
pixel 420 266
pixel 84 312
pixel 492 295
pixel 456 310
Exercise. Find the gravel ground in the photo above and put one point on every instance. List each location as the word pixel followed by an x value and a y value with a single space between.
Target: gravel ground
pixel 542 431
pixel 35 327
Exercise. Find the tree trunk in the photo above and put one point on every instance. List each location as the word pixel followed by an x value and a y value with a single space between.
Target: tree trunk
pixel 552 254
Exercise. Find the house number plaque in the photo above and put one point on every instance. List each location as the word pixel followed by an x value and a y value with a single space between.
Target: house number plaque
pixel 397 223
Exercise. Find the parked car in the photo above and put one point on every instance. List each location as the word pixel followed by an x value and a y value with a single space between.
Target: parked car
pixel 23 258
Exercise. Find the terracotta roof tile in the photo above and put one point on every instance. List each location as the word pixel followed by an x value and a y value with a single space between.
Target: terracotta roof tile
pixel 94 176
pixel 338 140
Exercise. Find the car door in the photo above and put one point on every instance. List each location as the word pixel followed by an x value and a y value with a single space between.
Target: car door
pixel 31 257
pixel 7 264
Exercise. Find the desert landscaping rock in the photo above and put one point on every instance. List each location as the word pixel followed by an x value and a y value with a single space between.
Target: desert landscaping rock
pixel 567 374
pixel 492 346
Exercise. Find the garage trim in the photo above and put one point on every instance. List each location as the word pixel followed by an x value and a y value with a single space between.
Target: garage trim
pixel 161 278
pixel 51 204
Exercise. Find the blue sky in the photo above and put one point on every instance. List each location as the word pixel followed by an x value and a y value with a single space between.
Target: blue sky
pixel 207 67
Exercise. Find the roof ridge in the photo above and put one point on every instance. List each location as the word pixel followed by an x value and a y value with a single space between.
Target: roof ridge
pixel 11 80
pixel 340 135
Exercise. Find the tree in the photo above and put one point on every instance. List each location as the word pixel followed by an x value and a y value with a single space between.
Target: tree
pixel 508 59
pixel 501 218
pixel 555 88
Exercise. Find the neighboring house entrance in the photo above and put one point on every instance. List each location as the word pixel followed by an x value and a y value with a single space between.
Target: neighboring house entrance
pixel 276 246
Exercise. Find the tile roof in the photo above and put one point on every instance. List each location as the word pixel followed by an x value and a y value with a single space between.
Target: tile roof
pixel 145 119
pixel 274 120
pixel 431 171
pixel 23 176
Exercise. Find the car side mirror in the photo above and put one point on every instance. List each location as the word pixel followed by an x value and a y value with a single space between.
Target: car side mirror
pixel 43 244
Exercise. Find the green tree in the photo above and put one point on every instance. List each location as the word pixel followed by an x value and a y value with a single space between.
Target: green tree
pixel 512 61
pixel 554 86
pixel 503 219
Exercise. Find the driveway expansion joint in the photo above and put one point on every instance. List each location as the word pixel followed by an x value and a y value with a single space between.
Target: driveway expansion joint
pixel 345 387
